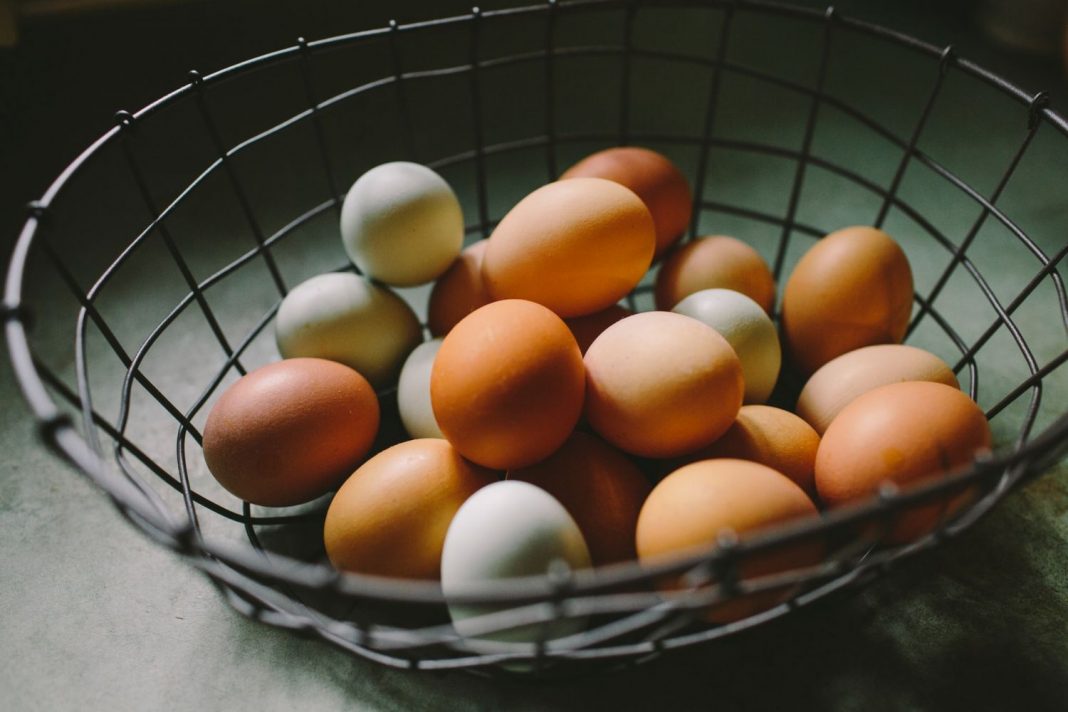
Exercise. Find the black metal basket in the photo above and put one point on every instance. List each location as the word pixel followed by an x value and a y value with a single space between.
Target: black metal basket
pixel 242 170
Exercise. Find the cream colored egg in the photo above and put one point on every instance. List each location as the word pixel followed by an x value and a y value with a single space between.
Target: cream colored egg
pixel 343 317
pixel 413 392
pixel 402 224
pixel 749 331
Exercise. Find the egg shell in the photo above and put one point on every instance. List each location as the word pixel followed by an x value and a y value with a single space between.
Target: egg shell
pixel 505 530
pixel 587 328
pixel 402 224
pixel 749 331
pixel 390 517
pixel 575 246
pixel 851 289
pixel 841 380
pixel 343 317
pixel 653 178
pixel 771 436
pixel 413 392
pixel 600 488
pixel 714 262
pixel 508 383
pixel 904 433
pixel 458 292
pixel 660 384
pixel 290 431
pixel 690 508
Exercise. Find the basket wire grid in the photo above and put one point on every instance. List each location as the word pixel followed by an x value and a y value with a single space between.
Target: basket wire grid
pixel 630 621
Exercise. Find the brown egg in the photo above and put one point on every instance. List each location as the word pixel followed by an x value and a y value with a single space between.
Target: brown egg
pixel 851 289
pixel 575 246
pixel 716 262
pixel 458 292
pixel 391 515
pixel 653 177
pixel 600 488
pixel 773 437
pixel 904 433
pixel 689 509
pixel 290 431
pixel 507 384
pixel 839 381
pixel 587 328
pixel 660 384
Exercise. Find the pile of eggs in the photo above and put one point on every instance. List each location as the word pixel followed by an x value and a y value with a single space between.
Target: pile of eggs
pixel 542 411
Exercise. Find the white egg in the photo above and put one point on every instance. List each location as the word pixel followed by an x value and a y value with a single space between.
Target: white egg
pixel 413 392
pixel 749 331
pixel 402 224
pixel 344 317
pixel 507 529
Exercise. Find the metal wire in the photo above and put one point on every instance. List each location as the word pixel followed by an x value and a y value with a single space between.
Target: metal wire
pixel 632 622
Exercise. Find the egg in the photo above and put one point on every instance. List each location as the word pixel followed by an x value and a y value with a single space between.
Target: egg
pixel 505 530
pixel 575 246
pixel 390 517
pixel 653 178
pixel 458 292
pixel 508 383
pixel 599 487
pixel 690 508
pixel 290 431
pixel 660 384
pixel 402 224
pixel 343 317
pixel 851 289
pixel 587 328
pixel 839 381
pixel 714 262
pixel 749 331
pixel 413 392
pixel 773 437
pixel 903 433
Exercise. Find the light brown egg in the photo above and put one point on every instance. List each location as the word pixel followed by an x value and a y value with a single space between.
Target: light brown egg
pixel 851 289
pixel 458 292
pixel 715 262
pixel 587 328
pixel 507 384
pixel 839 381
pixel 390 517
pixel 599 487
pixel 689 509
pixel 660 384
pixel 575 246
pixel 290 431
pixel 773 437
pixel 904 433
pixel 653 177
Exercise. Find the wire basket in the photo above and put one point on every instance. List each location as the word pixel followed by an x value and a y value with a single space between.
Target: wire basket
pixel 154 264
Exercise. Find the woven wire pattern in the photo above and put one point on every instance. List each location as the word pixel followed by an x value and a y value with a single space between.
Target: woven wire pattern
pixel 403 624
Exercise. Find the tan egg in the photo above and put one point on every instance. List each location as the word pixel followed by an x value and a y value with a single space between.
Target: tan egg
pixel 773 437
pixel 653 177
pixel 690 508
pixel 839 381
pixel 904 433
pixel 587 328
pixel 390 517
pixel 576 246
pixel 507 384
pixel 716 262
pixel 458 292
pixel 599 487
pixel 290 431
pixel 660 384
pixel 851 289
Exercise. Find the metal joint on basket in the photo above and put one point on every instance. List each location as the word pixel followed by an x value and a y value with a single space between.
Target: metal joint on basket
pixel 302 44
pixel 725 563
pixel 49 425
pixel 196 79
pixel 16 312
pixel 1039 102
pixel 947 58
pixel 124 119
pixel 37 210
pixel 830 14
